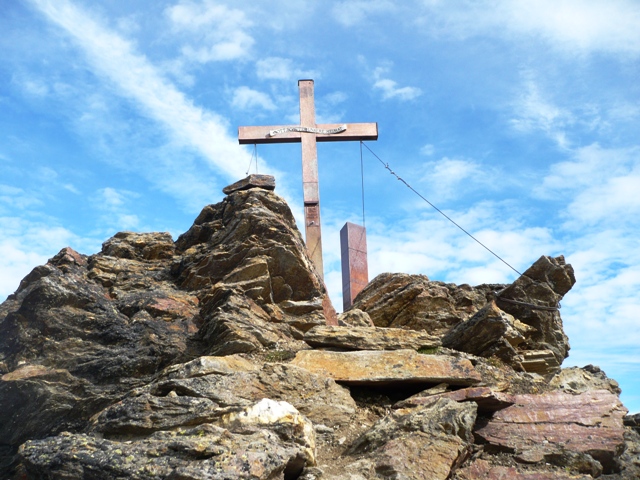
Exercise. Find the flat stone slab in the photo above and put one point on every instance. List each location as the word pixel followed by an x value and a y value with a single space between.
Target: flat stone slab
pixel 266 182
pixel 488 401
pixel 388 367
pixel 369 338
pixel 591 422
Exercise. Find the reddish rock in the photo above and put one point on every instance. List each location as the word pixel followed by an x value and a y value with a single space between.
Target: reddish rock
pixel 591 422
pixel 488 401
pixel 483 470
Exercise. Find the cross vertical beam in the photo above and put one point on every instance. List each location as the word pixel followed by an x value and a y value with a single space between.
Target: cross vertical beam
pixel 308 133
pixel 310 189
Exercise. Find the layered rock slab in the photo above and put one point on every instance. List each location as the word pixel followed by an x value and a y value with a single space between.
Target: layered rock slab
pixel 591 423
pixel 391 367
pixel 401 300
pixel 427 442
pixel 368 338
pixel 265 441
pixel 483 470
pixel 204 390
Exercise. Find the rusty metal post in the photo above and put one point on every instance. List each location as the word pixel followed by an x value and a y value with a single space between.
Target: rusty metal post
pixel 355 270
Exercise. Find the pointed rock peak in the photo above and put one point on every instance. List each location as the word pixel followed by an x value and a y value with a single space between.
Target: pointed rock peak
pixel 266 182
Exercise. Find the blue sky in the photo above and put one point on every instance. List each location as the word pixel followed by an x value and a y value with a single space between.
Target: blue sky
pixel 520 120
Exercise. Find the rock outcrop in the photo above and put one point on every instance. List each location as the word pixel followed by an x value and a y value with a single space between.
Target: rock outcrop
pixel 219 356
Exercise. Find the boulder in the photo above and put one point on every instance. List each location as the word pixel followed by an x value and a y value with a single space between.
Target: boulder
pixel 427 442
pixel 264 441
pixel 266 182
pixel 534 298
pixel 483 470
pixel 546 424
pixel 368 338
pixel 490 332
pixel 355 318
pixel 580 380
pixel 391 367
pixel 413 301
pixel 487 400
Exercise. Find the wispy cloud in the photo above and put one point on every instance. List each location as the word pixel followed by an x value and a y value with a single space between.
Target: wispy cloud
pixel 533 112
pixel 215 32
pixel 246 98
pixel 278 68
pixel 115 59
pixel 571 26
pixel 390 89
pixel 350 13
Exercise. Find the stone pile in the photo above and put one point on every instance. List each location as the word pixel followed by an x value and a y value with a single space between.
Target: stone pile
pixel 219 356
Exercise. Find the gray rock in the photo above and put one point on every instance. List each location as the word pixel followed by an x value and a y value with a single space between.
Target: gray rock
pixel 368 338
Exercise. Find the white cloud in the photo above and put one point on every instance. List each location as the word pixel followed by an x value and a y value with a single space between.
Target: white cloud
pixel 218 32
pixel 115 59
pixel 24 244
pixel 573 26
pixel 278 68
pixel 445 177
pixel 245 98
pixel 353 12
pixel 533 112
pixel 390 88
pixel 116 205
pixel 427 150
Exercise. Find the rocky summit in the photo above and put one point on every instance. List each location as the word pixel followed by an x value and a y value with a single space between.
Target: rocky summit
pixel 219 356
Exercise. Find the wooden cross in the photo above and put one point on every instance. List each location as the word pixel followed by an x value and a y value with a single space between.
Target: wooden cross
pixel 308 133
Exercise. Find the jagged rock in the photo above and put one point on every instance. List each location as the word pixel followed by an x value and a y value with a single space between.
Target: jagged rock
pixel 490 332
pixel 266 182
pixel 540 361
pixel 487 400
pixel 580 380
pixel 368 338
pixel 483 470
pixel 633 421
pixel 355 318
pixel 265 441
pixel 412 301
pixel 239 280
pixel 542 285
pixel 428 442
pixel 387 367
pixel 195 393
pixel 590 423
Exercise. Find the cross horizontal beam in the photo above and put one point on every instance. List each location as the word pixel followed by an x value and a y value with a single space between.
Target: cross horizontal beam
pixel 354 131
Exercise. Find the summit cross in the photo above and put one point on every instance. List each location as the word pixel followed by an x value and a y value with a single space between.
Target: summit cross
pixel 308 133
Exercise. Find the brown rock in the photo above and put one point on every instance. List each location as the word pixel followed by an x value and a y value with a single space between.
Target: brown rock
pixel 542 285
pixel 542 362
pixel 580 380
pixel 483 470
pixel 355 318
pixel 412 301
pixel 387 367
pixel 590 423
pixel 368 338
pixel 490 332
pixel 427 442
pixel 487 400
pixel 266 182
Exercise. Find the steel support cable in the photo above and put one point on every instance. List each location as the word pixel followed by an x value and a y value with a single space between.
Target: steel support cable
pixel 386 165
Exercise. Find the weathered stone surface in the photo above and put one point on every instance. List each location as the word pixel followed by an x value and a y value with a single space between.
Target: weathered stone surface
pixel 412 301
pixel 490 332
pixel 266 182
pixel 195 393
pixel 355 318
pixel 368 338
pixel 590 423
pixel 483 470
pixel 387 367
pixel 580 380
pixel 427 442
pixel 487 400
pixel 265 441
pixel 542 362
pixel 543 284
pixel 238 281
